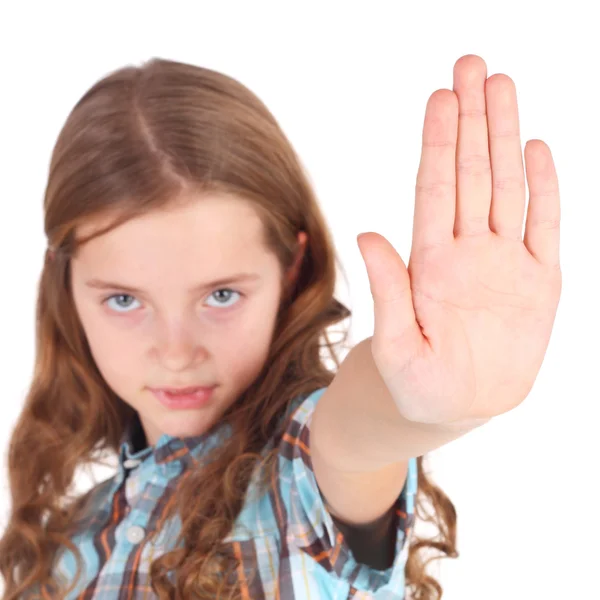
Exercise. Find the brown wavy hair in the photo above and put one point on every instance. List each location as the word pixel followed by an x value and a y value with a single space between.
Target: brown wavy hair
pixel 138 139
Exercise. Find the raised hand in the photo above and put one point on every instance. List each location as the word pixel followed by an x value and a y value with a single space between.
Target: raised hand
pixel 461 334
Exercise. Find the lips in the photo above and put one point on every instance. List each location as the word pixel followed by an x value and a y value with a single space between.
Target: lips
pixel 190 390
pixel 182 391
pixel 183 398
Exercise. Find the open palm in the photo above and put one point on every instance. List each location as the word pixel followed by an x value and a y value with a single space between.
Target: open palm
pixel 462 332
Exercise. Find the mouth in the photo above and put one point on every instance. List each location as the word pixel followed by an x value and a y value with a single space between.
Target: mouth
pixel 184 398
pixel 184 391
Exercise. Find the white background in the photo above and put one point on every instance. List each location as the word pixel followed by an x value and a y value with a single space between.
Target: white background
pixel 349 83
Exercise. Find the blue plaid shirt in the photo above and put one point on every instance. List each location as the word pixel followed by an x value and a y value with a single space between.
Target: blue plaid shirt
pixel 287 537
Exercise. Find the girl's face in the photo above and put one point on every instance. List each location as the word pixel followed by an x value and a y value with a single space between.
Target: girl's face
pixel 153 317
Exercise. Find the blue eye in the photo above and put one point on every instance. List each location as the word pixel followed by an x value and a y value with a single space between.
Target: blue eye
pixel 118 304
pixel 228 295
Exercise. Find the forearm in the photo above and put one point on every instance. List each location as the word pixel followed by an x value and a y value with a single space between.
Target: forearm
pixel 370 432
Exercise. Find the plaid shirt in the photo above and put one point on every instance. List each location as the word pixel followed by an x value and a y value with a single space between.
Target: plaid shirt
pixel 286 537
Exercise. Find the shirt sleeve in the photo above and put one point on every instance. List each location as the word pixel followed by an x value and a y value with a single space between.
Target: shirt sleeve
pixel 309 527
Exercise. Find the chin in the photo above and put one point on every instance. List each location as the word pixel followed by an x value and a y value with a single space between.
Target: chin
pixel 183 424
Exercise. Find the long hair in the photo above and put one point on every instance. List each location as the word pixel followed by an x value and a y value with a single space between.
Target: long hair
pixel 139 139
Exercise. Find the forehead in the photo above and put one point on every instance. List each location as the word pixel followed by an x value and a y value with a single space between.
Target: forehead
pixel 209 229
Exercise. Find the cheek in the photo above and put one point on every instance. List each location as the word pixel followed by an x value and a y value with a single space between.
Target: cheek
pixel 247 352
pixel 116 357
pixel 242 350
pixel 240 366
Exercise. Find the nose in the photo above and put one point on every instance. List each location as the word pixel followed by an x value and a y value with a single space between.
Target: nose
pixel 177 348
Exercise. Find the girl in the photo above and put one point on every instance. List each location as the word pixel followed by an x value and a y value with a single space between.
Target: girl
pixel 185 300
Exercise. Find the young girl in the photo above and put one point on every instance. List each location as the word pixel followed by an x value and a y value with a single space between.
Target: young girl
pixel 185 302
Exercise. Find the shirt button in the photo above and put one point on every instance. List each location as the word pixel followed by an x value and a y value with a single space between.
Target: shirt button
pixel 135 534
pixel 131 463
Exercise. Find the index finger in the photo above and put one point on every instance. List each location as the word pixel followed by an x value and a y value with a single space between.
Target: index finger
pixel 435 191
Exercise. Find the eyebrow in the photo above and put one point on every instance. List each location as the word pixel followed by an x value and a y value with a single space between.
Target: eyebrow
pixel 239 278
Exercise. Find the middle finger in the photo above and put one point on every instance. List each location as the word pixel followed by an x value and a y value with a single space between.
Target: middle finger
pixel 473 167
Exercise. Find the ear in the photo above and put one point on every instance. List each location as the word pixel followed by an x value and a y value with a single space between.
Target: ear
pixel 293 270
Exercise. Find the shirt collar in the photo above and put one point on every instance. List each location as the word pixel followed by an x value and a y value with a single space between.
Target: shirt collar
pixel 168 448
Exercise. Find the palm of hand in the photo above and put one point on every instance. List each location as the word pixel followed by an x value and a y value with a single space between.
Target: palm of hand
pixel 486 309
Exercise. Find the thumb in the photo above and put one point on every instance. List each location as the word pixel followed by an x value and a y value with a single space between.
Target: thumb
pixel 390 285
